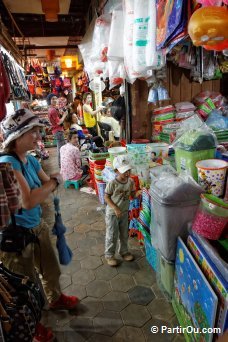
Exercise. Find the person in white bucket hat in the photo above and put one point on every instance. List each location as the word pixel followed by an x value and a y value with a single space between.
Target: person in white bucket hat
pixel 117 195
pixel 21 132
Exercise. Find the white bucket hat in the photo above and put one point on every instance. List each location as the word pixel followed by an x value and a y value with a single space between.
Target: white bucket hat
pixel 13 126
pixel 121 163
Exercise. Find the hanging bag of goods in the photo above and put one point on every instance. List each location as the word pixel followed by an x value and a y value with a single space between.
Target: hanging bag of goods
pixel 21 302
pixel 66 82
pixel 171 22
pixel 142 17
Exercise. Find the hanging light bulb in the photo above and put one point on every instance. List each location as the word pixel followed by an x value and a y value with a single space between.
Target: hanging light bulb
pixel 68 62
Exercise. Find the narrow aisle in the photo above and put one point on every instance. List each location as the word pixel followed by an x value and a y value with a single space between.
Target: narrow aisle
pixel 116 304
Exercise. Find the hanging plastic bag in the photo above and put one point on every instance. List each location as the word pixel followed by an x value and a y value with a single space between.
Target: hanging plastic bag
pixel 153 95
pixel 115 46
pixel 162 93
pixel 128 7
pixel 100 37
pixel 86 47
pixel 116 73
pixel 140 30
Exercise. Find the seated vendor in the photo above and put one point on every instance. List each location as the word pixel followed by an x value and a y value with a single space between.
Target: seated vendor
pixel 70 159
pixel 108 119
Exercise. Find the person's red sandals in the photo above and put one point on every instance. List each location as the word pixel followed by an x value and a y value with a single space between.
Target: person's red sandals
pixel 43 334
pixel 64 303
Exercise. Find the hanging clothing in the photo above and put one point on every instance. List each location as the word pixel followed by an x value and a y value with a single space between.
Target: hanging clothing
pixel 4 89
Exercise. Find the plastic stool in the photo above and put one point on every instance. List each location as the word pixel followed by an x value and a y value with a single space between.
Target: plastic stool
pixel 75 183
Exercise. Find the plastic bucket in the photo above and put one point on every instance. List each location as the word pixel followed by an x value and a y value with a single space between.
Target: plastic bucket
pixel 98 177
pixel 116 151
pixel 140 141
pixel 212 175
pixel 99 164
pixel 211 217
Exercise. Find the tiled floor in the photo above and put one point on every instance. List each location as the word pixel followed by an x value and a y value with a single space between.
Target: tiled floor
pixel 116 304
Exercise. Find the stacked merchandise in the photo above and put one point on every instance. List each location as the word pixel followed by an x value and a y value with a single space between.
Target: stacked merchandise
pixel 207 101
pixel 97 160
pixel 219 124
pixel 133 214
pixel 144 214
pixel 168 133
pixel 144 227
pixel 184 110
pixel 166 120
pixel 161 117
pixel 212 108
pixel 100 185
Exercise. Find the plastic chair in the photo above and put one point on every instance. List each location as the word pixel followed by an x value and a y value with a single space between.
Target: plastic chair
pixel 75 183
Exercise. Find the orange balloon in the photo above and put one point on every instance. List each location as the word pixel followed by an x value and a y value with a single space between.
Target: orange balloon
pixel 208 26
pixel 217 47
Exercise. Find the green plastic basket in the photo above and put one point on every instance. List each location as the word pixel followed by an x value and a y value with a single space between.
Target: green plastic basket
pixel 98 156
pixel 186 160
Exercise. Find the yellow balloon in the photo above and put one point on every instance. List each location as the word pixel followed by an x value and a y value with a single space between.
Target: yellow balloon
pixel 208 25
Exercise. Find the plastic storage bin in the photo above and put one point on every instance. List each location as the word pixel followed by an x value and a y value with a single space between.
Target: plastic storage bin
pixel 174 201
pixel 165 275
pixel 193 145
pixel 186 160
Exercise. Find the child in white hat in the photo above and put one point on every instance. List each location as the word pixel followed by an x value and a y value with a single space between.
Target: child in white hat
pixel 117 194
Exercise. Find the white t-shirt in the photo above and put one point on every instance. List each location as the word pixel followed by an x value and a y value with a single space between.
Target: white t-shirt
pixel 113 123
